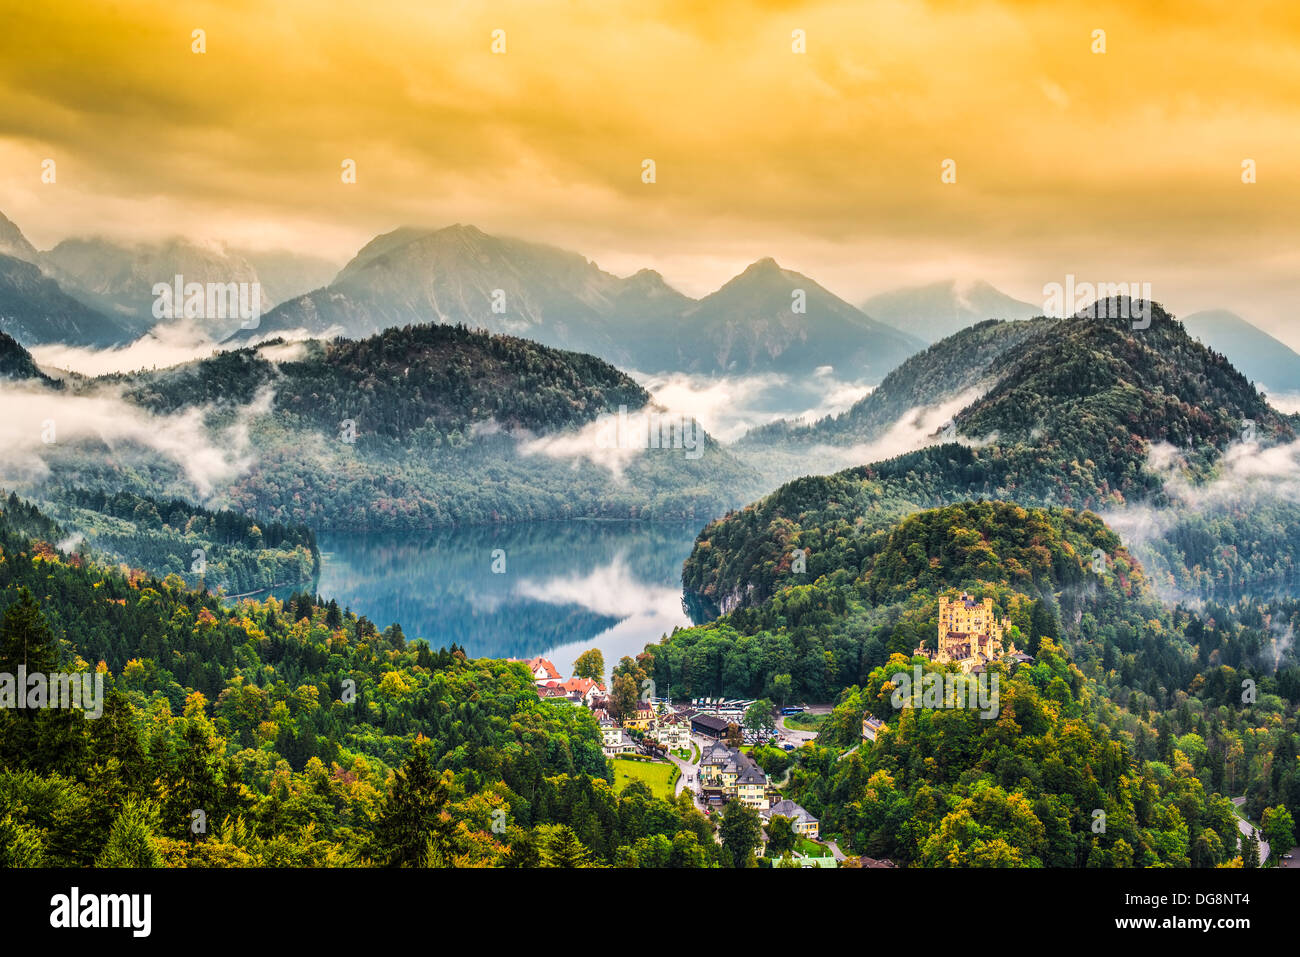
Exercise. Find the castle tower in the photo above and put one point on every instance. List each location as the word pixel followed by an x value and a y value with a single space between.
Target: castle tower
pixel 968 629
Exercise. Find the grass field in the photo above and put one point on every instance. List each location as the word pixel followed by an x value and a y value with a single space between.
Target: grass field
pixel 805 722
pixel 660 777
pixel 811 848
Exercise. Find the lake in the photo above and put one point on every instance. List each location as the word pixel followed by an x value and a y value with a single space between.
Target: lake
pixel 558 588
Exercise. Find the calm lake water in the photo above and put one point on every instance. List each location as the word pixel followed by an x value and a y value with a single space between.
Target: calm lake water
pixel 560 588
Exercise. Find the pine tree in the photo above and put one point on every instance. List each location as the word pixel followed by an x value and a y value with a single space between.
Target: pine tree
pixel 131 838
pixel 561 848
pixel 25 638
pixel 413 824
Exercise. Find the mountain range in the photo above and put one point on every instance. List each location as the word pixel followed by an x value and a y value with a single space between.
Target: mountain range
pixel 98 293
pixel 462 275
pixel 118 278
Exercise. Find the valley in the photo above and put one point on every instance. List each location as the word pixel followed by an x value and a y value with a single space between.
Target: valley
pixel 336 552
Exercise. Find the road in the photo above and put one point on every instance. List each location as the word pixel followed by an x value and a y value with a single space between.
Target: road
pixel 690 771
pixel 1247 829
pixel 800 738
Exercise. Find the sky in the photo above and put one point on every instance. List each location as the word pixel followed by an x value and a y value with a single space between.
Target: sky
pixel 1122 166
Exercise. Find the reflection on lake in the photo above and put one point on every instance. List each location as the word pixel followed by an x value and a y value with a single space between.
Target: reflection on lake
pixel 565 587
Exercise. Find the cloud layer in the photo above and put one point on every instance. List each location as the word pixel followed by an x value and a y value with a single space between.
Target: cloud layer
pixel 1124 165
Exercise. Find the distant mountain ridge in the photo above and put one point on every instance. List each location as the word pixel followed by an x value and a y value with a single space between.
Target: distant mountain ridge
pixel 14 243
pixel 936 310
pixel 118 278
pixel 98 293
pixel 1271 364
pixel 36 310
pixel 460 274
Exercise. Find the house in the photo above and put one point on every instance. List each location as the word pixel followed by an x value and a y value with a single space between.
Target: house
pixel 751 785
pixel 611 734
pixel 709 725
pixel 871 727
pixel 804 823
pixel 730 775
pixel 581 690
pixel 620 743
pixel 673 733
pixel 550 689
pixel 643 719
pixel 719 766
pixel 542 670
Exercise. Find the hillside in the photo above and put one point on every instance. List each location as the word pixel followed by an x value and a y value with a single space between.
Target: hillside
pixel 305 734
pixel 16 363
pixel 927 380
pixel 35 310
pixel 1121 697
pixel 1068 413
pixel 221 551
pixel 1269 363
pixel 868 593
pixel 411 428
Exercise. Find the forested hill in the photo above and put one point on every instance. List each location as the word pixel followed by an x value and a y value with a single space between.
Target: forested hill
pixel 416 427
pixel 945 370
pixel 1128 707
pixel 865 596
pixel 399 381
pixel 304 735
pixel 219 550
pixel 1070 412
pixel 16 363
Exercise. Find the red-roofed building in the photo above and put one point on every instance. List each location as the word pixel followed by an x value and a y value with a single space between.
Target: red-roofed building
pixel 582 690
pixel 543 671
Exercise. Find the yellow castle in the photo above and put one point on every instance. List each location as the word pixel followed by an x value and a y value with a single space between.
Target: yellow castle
pixel 969 633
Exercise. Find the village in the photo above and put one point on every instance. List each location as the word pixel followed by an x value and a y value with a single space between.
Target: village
pixel 706 746
pixel 701 747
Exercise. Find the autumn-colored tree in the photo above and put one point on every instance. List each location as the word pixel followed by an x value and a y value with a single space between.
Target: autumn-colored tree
pixel 623 697
pixel 590 665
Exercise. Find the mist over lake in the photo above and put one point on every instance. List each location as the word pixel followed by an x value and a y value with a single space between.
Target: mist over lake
pixel 566 586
